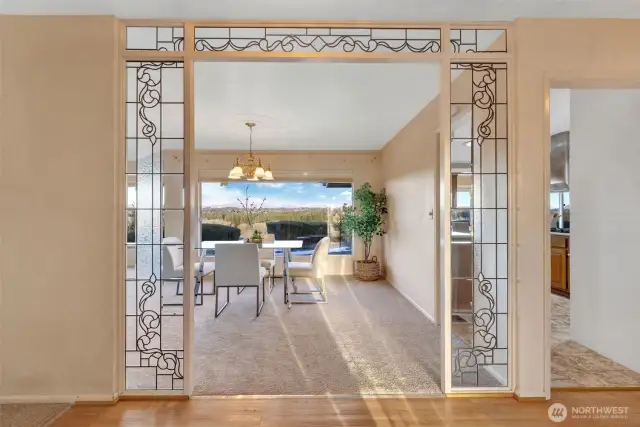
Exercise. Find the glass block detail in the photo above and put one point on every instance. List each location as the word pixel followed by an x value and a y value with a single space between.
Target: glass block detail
pixel 470 40
pixel 479 218
pixel 155 38
pixel 357 40
pixel 154 353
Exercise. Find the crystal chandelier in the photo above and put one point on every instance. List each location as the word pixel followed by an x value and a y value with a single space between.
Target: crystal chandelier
pixel 252 170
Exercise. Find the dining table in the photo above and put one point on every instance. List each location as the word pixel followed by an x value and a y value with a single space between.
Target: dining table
pixel 285 245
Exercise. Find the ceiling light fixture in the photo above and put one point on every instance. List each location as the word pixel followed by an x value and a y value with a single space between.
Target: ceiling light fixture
pixel 252 170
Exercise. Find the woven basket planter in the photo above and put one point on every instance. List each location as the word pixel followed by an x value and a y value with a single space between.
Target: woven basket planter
pixel 367 271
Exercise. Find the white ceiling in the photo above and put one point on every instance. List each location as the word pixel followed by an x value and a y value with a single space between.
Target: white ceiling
pixel 426 10
pixel 308 106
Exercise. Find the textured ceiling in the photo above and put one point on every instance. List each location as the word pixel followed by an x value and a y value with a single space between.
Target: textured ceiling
pixel 425 10
pixel 308 106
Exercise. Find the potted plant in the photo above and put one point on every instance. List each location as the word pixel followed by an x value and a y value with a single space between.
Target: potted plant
pixel 365 219
pixel 256 237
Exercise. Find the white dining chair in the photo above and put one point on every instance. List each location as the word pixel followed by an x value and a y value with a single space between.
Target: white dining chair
pixel 314 271
pixel 238 266
pixel 172 268
pixel 268 259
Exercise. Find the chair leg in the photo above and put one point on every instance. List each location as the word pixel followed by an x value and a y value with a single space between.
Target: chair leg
pixel 199 285
pixel 217 312
pixel 285 287
pixel 258 304
pixel 178 288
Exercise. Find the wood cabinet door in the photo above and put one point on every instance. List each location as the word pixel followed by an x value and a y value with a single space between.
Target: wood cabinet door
pixel 559 269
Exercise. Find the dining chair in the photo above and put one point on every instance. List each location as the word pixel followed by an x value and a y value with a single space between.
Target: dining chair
pixel 172 268
pixel 268 259
pixel 314 270
pixel 238 266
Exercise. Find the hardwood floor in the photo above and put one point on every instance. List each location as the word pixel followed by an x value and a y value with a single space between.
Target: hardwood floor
pixel 336 412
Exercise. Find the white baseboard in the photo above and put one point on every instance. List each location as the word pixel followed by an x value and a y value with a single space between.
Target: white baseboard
pixel 415 304
pixel 44 398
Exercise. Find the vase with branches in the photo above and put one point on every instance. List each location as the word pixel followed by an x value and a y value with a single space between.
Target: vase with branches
pixel 250 211
pixel 366 219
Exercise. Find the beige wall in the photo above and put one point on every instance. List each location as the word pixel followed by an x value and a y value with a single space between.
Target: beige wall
pixel 58 267
pixel 577 53
pixel 409 164
pixel 357 167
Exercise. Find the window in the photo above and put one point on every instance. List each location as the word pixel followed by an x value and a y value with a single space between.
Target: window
pixel 463 199
pixel 560 203
pixel 306 211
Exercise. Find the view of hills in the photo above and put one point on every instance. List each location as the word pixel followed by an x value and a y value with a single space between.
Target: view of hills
pixel 233 216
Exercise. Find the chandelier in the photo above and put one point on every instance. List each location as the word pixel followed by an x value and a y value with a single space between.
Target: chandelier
pixel 252 169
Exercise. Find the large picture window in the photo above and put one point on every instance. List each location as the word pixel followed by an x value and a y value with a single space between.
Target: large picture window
pixel 306 211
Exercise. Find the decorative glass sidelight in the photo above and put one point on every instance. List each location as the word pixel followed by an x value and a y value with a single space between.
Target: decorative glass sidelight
pixel 479 225
pixel 330 40
pixel 154 353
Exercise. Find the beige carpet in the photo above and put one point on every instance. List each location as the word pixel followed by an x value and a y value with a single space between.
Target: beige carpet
pixel 31 415
pixel 368 339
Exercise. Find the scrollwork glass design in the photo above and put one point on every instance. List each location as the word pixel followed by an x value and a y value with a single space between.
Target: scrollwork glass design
pixel 367 40
pixel 479 218
pixel 155 38
pixel 154 353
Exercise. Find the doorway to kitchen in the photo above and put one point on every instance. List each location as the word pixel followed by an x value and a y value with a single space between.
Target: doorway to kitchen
pixel 593 236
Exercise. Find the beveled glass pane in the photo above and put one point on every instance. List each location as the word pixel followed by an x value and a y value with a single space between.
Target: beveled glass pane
pixel 131 121
pixel 501 191
pixel 173 223
pixel 488 191
pixel 173 191
pixel 172 85
pixel 501 164
pixel 502 226
pixel 131 303
pixel 489 225
pixel 131 147
pixel 131 330
pixel 501 261
pixel 172 121
pixel 487 156
pixel 489 260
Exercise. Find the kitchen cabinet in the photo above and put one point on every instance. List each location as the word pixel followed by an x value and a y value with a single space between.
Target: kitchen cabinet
pixel 560 255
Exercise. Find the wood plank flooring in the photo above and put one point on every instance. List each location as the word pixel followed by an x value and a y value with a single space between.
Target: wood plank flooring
pixel 336 412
